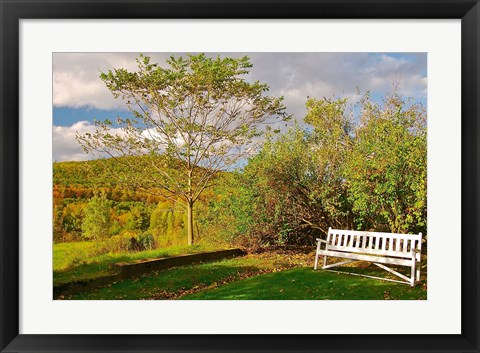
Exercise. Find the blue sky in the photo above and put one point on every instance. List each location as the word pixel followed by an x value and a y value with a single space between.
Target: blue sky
pixel 79 96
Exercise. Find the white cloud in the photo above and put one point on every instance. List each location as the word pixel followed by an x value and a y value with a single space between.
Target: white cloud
pixel 76 92
pixel 76 80
pixel 66 147
pixel 161 139
pixel 318 75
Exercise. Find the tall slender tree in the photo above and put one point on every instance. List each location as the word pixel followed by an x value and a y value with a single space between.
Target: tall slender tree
pixel 190 120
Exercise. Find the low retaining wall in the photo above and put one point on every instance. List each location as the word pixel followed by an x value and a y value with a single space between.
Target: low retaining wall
pixel 135 269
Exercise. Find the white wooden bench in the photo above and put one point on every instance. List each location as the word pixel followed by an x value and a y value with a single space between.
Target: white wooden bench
pixel 380 248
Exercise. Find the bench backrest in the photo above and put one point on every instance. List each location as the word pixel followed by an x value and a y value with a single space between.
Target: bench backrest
pixel 375 243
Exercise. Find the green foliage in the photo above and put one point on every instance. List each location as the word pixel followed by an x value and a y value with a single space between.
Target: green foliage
pixel 226 218
pixel 387 168
pixel 330 142
pixel 97 221
pixel 137 218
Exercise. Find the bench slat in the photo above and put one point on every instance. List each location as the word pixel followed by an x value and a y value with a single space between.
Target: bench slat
pixel 369 251
pixel 381 243
pixel 377 234
pixel 361 257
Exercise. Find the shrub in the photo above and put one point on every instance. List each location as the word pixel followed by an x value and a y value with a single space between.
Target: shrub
pixel 147 240
pixel 118 243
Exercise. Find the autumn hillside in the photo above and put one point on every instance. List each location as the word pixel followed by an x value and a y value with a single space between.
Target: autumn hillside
pixel 106 181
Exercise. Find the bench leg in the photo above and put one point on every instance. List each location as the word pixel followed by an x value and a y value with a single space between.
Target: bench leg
pixel 418 272
pixel 316 257
pixel 324 261
pixel 412 273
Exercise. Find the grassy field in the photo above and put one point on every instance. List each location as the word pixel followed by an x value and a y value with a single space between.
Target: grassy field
pixel 84 260
pixel 269 275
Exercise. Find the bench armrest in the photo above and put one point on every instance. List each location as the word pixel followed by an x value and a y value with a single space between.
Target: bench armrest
pixel 415 252
pixel 321 241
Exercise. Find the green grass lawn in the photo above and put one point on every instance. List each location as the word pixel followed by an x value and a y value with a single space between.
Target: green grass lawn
pixel 270 275
pixel 83 260
pixel 305 283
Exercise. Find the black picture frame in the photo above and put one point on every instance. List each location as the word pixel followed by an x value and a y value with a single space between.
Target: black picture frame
pixel 12 11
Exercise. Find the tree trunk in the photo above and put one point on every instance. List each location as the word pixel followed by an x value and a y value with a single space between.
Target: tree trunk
pixel 190 222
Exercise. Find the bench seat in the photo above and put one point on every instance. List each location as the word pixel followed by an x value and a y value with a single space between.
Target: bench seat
pixel 379 248
pixel 369 258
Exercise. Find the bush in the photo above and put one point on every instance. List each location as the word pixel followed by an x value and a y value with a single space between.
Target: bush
pixel 147 240
pixel 118 243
